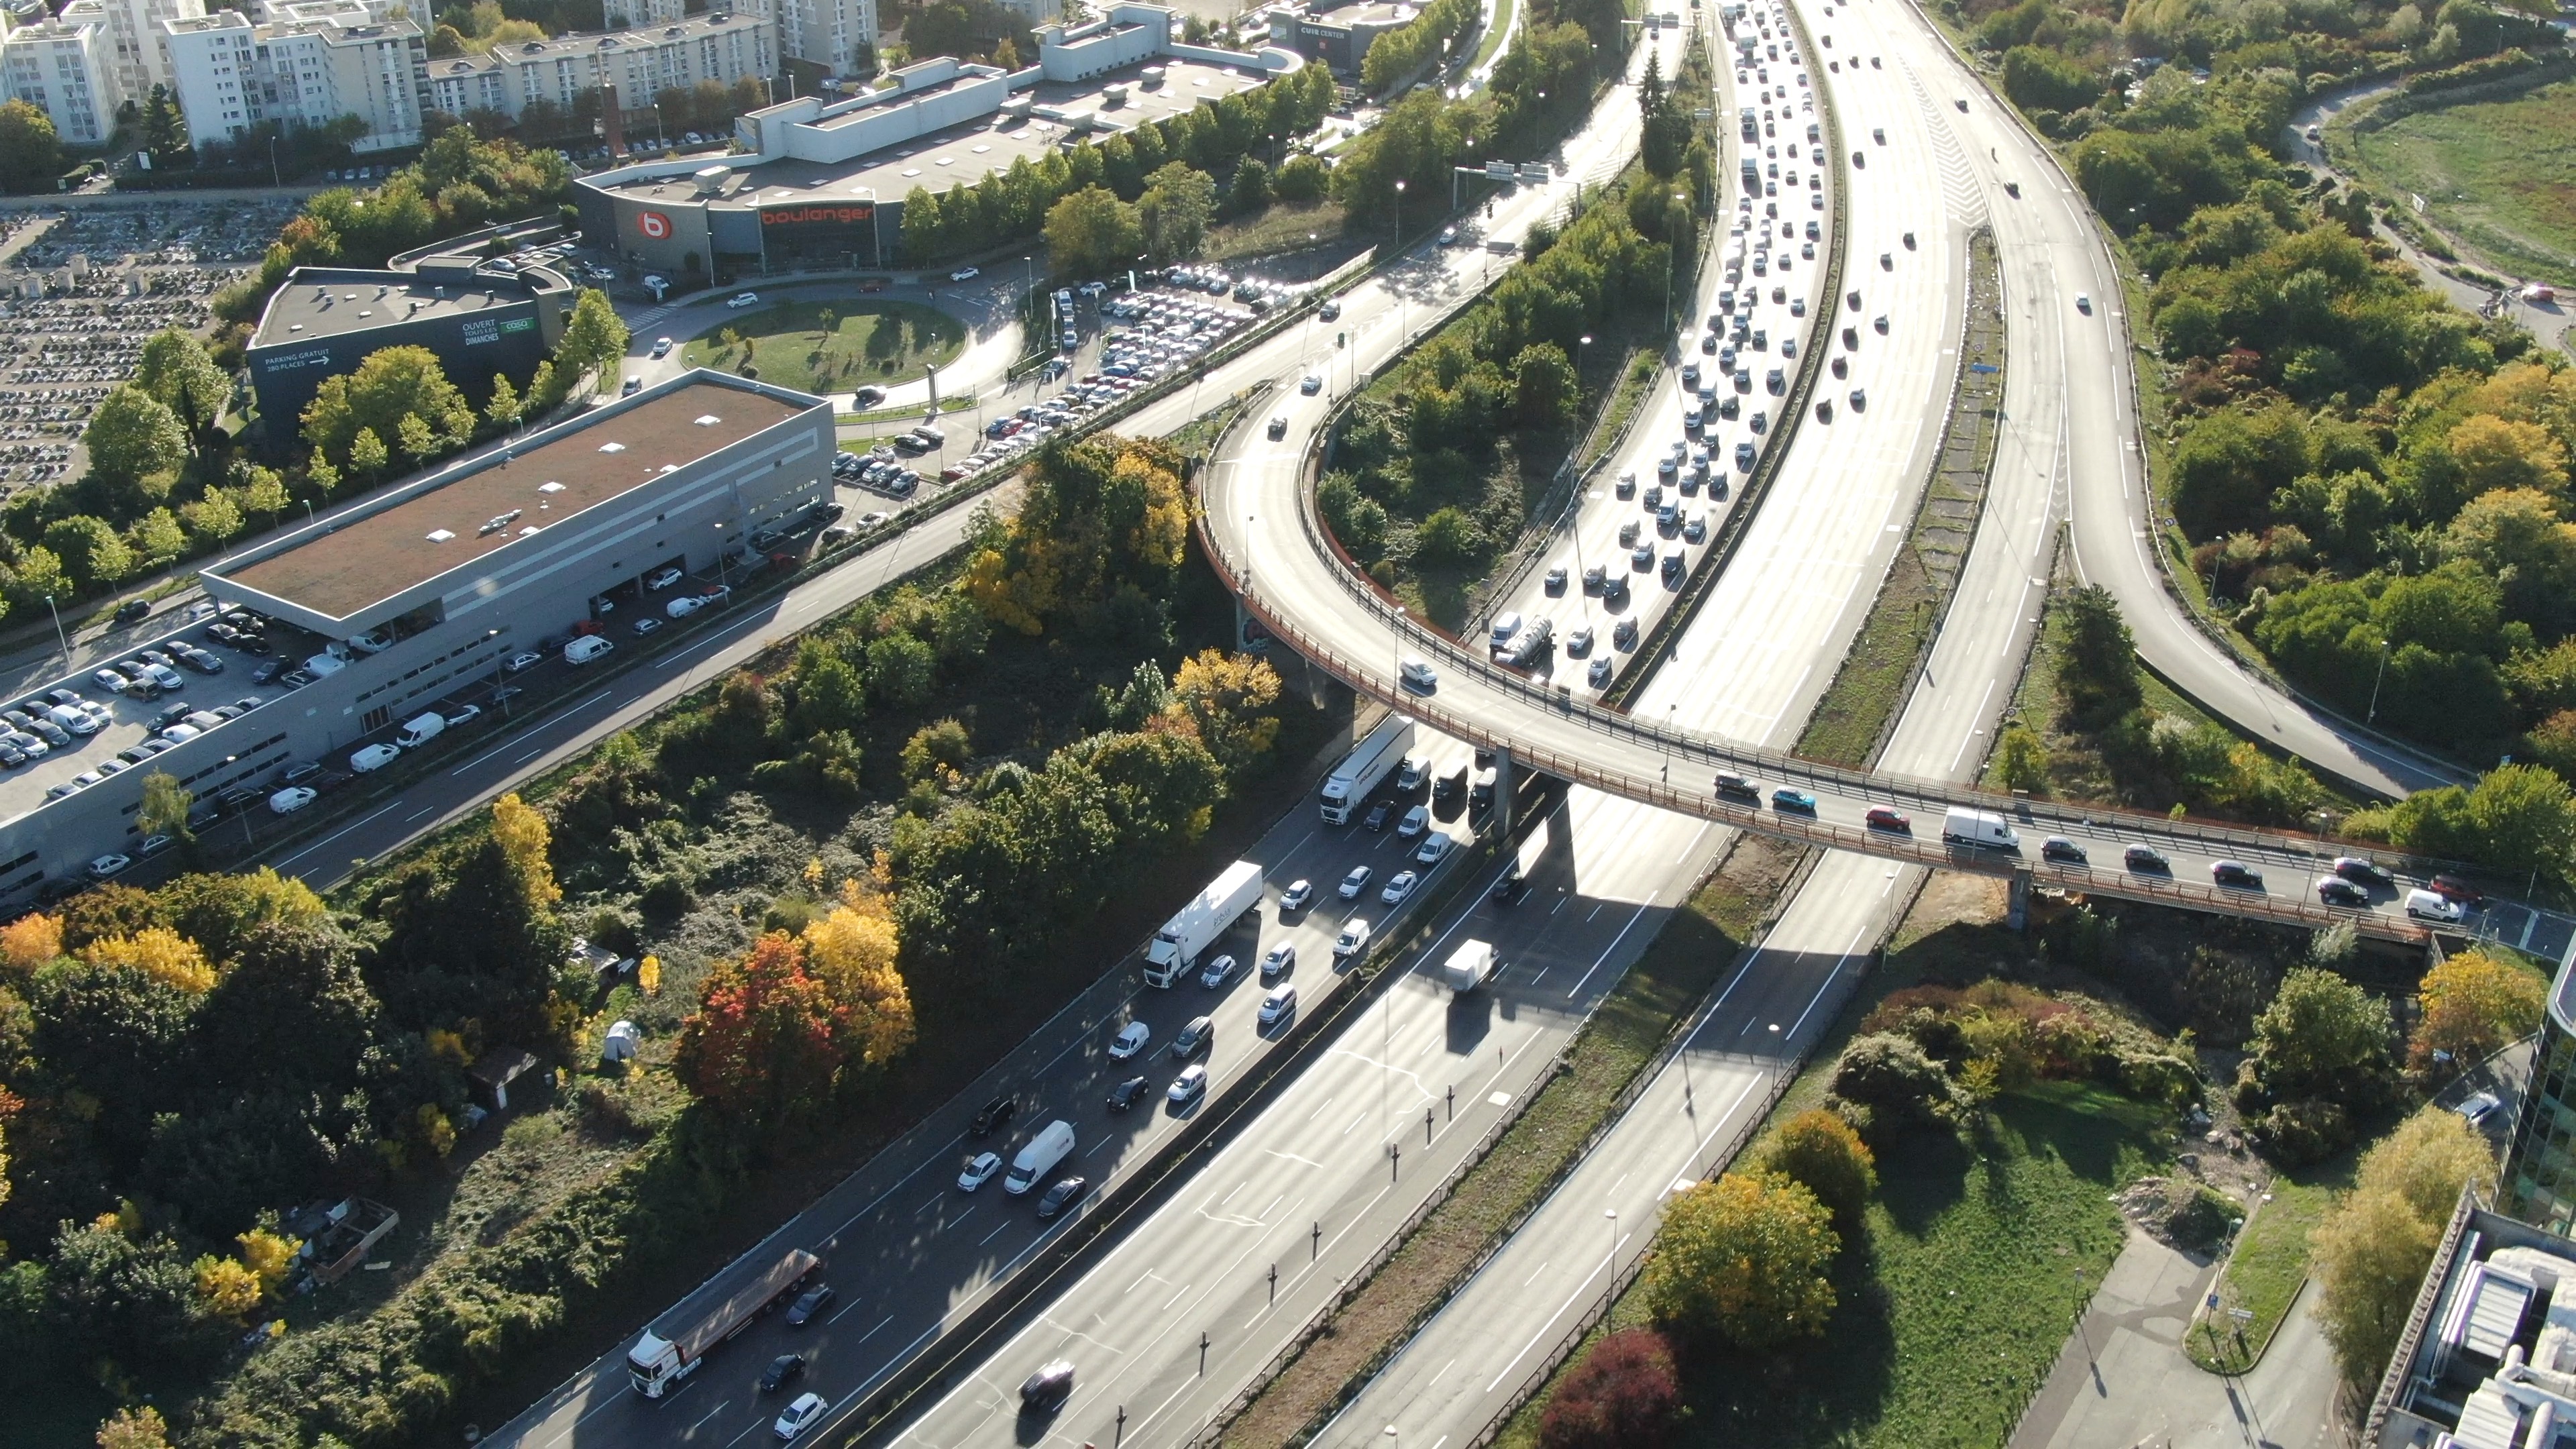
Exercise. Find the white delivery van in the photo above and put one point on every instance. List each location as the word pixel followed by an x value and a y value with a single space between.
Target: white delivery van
pixel 2426 905
pixel 1983 829
pixel 585 649
pixel 1052 1145
pixel 421 731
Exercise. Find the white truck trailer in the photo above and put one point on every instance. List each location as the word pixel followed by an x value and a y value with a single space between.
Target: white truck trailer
pixel 1983 829
pixel 1176 947
pixel 672 1348
pixel 1470 966
pixel 1360 772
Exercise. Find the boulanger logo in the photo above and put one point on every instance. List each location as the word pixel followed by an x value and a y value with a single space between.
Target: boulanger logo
pixel 806 215
pixel 653 224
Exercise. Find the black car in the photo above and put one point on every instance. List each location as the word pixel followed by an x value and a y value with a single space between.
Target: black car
pixel 1124 1095
pixel 2363 872
pixel 2147 858
pixel 2235 873
pixel 172 715
pixel 2336 891
pixel 1379 814
pixel 996 1115
pixel 783 1370
pixel 1450 786
pixel 1046 1390
pixel 1510 888
pixel 267 671
pixel 132 609
pixel 811 1303
pixel 1061 1196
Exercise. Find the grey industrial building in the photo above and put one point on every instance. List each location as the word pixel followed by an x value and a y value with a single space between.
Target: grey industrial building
pixel 1340 35
pixel 418 595
pixel 481 318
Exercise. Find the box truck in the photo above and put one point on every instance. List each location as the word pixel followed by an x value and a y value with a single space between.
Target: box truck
pixel 1470 966
pixel 1983 829
pixel 1052 1145
pixel 673 1347
pixel 1176 947
pixel 1361 770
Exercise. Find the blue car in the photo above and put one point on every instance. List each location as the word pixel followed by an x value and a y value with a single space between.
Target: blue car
pixel 1785 798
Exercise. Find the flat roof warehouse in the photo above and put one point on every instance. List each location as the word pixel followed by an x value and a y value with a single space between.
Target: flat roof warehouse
pixel 464 515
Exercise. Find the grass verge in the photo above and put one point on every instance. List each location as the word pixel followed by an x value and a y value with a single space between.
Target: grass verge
pixel 1636 380
pixel 2497 175
pixel 1286 227
pixel 2264 1273
pixel 1953 1306
pixel 1685 962
pixel 868 342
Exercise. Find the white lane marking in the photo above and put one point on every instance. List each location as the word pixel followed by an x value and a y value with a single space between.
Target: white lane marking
pixel 1642 908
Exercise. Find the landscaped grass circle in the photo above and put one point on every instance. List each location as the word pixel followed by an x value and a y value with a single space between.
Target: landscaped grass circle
pixel 870 343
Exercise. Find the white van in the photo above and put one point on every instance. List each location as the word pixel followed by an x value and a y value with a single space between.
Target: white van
pixel 374 757
pixel 2426 905
pixel 421 731
pixel 1052 1145
pixel 586 648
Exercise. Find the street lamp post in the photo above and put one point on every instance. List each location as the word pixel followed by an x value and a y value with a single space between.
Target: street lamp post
pixel 2378 681
pixel 1400 324
pixel 1610 1263
pixel 59 636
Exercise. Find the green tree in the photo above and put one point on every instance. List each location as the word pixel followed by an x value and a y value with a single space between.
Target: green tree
pixel 2021 758
pixel 388 384
pixel 213 519
pixel 157 538
pixel 165 130
pixel 2097 676
pixel 2322 1037
pixel 1544 383
pixel 367 453
pixel 165 806
pixel 1251 189
pixel 1448 536
pixel 2370 1254
pixel 593 336
pixel 1745 1257
pixel 1090 230
pixel 176 371
pixel 31 156
pixel 901 670
pixel 263 493
pixel 1174 212
pixel 830 694
pixel 419 443
pixel 91 551
pixel 940 745
pixel 503 409
pixel 133 436
pixel 133 1302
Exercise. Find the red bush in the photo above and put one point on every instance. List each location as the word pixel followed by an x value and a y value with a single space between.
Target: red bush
pixel 1622 1396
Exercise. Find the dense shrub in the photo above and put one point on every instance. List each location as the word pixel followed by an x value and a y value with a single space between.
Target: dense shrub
pixel 1624 1395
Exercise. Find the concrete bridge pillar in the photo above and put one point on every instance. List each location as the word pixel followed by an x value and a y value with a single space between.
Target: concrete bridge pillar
pixel 2017 914
pixel 1503 788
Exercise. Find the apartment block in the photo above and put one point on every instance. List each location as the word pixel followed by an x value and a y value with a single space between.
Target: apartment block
pixel 828 33
pixel 134 31
pixel 66 67
pixel 637 64
pixel 634 14
pixel 327 62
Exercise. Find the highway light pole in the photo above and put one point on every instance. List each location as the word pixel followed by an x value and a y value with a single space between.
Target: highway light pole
pixel 2374 684
pixel 1610 1263
pixel 1399 248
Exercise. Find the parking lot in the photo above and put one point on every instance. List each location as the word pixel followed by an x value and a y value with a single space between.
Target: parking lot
pixel 84 289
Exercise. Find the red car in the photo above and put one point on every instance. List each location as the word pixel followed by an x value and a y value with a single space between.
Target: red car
pixel 1882 818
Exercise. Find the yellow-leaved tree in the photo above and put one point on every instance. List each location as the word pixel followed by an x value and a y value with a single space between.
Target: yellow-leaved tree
pixel 2473 1004
pixel 852 949
pixel 226 1287
pixel 134 1429
pixel 270 1256
pixel 2370 1254
pixel 158 951
pixel 30 941
pixel 525 839
pixel 1232 699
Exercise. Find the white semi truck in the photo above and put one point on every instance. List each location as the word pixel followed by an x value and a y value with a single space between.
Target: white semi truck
pixel 1470 966
pixel 1176 947
pixel 1360 772
pixel 672 1348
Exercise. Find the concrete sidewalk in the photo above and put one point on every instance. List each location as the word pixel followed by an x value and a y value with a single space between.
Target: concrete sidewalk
pixel 2122 1381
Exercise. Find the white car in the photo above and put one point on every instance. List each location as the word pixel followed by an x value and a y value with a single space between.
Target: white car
pixel 1400 887
pixel 660 579
pixel 1218 972
pixel 684 606
pixel 965 274
pixel 1354 883
pixel 979 1170
pixel 739 301
pixel 1415 821
pixel 1435 849
pixel 1130 1041
pixel 1278 1005
pixel 1353 940
pixel 1299 895
pixel 800 1416
pixel 291 799
pixel 107 866
pixel 661 347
